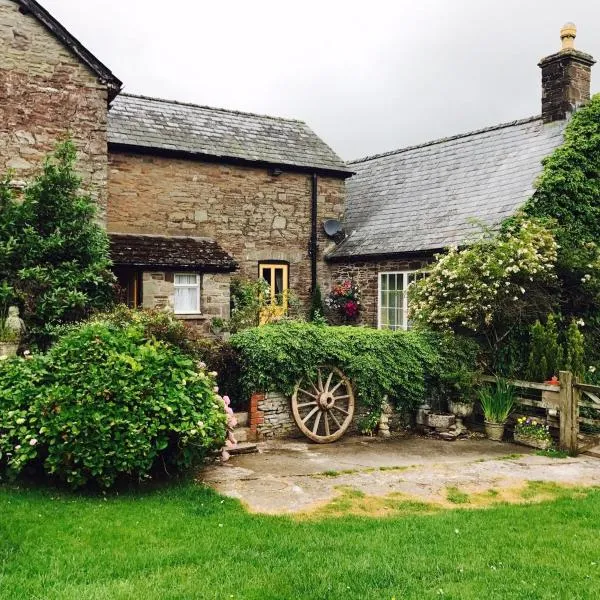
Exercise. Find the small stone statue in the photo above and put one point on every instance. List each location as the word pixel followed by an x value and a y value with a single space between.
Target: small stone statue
pixel 14 323
pixel 384 421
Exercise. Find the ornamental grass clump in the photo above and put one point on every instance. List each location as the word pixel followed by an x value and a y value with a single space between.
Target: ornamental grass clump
pixel 107 402
pixel 497 402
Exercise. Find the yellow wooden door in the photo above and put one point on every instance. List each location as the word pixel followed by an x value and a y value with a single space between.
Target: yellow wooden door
pixel 276 303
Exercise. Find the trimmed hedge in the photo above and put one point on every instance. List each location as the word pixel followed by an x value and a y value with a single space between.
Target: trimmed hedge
pixel 107 401
pixel 408 367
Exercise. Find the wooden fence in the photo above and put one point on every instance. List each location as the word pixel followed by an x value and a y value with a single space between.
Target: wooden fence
pixel 562 406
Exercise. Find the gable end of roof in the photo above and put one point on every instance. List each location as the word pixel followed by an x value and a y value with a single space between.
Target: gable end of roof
pixel 104 74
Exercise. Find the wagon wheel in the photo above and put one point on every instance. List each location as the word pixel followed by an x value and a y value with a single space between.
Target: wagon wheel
pixel 323 407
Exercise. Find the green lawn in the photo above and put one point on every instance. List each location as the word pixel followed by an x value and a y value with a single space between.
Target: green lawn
pixel 186 542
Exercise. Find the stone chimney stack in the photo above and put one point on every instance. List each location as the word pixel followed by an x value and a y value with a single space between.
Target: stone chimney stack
pixel 565 78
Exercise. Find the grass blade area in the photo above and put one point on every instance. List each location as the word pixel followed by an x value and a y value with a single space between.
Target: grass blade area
pixel 187 542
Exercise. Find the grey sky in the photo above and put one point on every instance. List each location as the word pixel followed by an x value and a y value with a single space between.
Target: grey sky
pixel 366 76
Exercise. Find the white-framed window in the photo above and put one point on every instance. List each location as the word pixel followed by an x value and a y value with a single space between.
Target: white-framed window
pixel 392 306
pixel 187 293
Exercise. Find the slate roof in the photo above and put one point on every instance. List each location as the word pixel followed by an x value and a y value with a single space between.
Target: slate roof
pixel 139 250
pixel 142 122
pixel 424 198
pixel 70 41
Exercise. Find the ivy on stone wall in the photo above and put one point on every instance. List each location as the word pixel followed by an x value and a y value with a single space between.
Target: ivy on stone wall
pixel 408 367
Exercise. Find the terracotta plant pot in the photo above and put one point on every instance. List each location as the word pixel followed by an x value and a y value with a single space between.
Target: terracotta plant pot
pixel 533 442
pixel 441 422
pixel 494 431
pixel 8 349
pixel 461 410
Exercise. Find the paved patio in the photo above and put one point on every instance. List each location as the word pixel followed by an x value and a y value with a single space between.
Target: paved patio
pixel 294 476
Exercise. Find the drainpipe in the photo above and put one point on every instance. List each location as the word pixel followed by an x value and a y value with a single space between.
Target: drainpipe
pixel 312 250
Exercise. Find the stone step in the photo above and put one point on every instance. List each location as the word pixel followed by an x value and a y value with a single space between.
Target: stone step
pixel 243 448
pixel 242 434
pixel 242 419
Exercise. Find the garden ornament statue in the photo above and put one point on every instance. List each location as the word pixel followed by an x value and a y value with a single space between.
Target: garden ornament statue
pixel 384 421
pixel 14 323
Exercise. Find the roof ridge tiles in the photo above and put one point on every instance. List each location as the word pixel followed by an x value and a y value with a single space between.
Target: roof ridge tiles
pixel 446 139
pixel 215 108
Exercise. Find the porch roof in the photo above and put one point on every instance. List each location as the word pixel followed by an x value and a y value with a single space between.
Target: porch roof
pixel 175 252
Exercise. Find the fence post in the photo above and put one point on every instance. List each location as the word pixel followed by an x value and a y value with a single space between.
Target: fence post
pixel 569 412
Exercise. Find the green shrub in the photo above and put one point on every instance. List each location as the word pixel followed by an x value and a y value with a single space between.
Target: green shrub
pixel 53 254
pixel 575 350
pixel 107 401
pixel 405 366
pixel 546 354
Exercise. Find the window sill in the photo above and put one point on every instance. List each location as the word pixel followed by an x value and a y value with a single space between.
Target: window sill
pixel 191 317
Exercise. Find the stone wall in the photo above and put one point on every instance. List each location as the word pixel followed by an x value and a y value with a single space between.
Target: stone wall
pixel 566 79
pixel 253 215
pixel 270 417
pixel 46 93
pixel 366 274
pixel 158 291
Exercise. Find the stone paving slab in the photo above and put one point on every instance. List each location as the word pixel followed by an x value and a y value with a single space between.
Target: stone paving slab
pixel 289 476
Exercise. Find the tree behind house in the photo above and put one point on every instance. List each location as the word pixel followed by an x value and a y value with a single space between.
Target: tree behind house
pixel 54 257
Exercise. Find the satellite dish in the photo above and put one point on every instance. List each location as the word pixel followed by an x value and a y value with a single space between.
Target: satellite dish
pixel 332 227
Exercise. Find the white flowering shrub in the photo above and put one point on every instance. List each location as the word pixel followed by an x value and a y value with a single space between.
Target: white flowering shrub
pixel 491 285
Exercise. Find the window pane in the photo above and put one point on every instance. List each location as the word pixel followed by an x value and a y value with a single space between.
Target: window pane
pixel 185 279
pixel 278 281
pixel 267 274
pixel 186 300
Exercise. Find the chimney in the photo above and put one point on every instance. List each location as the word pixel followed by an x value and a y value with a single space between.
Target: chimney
pixel 565 78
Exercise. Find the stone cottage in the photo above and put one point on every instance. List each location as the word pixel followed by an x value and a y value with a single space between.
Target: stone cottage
pixel 188 194
pixel 191 194
pixel 404 206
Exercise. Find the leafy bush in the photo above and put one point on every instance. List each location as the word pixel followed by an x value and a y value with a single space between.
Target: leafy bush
pixel 405 366
pixel 546 355
pixel 53 254
pixel 107 401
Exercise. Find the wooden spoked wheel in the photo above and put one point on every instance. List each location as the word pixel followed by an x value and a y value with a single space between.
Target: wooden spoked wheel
pixel 323 406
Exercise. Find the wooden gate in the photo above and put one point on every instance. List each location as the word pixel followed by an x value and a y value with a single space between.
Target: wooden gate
pixel 571 407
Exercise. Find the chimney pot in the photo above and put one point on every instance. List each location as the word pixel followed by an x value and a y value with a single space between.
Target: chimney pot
pixel 567 36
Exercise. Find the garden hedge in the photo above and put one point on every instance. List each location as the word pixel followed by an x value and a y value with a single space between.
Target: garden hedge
pixel 408 367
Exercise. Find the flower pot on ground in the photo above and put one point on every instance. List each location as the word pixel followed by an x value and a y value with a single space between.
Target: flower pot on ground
pixel 460 390
pixel 497 402
pixel 533 432
pixel 440 421
pixel 494 431
pixel 461 410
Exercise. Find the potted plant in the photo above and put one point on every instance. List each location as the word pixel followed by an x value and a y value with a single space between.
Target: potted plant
pixel 533 432
pixel 497 403
pixel 460 390
pixel 344 299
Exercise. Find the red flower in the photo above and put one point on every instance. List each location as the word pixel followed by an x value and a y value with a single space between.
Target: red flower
pixel 351 308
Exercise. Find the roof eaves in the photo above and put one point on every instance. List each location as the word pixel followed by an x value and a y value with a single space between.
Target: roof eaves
pixel 233 160
pixel 106 76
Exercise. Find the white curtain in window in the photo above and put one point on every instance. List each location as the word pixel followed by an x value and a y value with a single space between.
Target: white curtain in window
pixel 187 293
